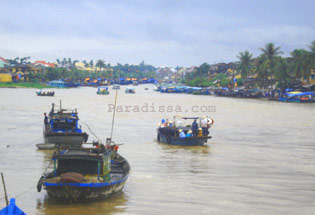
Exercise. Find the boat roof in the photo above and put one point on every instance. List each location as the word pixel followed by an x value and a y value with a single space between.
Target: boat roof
pixel 84 154
pixel 299 93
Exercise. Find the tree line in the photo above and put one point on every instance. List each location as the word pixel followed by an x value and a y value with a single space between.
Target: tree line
pixel 269 67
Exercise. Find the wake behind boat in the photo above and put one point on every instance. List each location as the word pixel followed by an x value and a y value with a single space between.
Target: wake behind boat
pixel 62 130
pixel 86 173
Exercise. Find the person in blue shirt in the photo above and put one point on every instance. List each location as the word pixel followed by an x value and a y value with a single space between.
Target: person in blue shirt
pixel 189 133
pixel 181 133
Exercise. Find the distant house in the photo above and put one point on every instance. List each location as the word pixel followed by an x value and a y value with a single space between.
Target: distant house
pixel 3 62
pixel 44 63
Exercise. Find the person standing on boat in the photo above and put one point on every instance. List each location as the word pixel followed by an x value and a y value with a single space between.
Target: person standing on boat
pixel 204 126
pixel 46 121
pixel 194 128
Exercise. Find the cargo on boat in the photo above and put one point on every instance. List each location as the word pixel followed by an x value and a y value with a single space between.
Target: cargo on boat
pixel 184 134
pixel 86 173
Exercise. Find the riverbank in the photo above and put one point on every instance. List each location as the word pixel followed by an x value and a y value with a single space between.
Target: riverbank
pixel 24 85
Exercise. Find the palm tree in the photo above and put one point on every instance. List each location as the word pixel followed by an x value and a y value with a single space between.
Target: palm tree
pixel 245 63
pixel 262 68
pixel 271 52
pixel 100 64
pixel 298 66
pixel 282 72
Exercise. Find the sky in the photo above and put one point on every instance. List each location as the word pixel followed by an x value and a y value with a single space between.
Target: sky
pixel 160 33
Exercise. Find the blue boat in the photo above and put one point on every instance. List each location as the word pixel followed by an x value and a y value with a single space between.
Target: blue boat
pixel 40 93
pixel 169 133
pixel 299 97
pixel 86 173
pixel 63 130
pixel 12 209
pixel 102 91
pixel 62 84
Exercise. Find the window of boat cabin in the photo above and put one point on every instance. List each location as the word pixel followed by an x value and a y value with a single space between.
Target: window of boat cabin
pixel 77 165
pixel 64 124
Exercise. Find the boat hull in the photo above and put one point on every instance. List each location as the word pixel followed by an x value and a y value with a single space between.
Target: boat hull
pixel 187 141
pixel 73 191
pixel 65 139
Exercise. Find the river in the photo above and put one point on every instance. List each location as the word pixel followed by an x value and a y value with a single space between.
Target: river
pixel 259 161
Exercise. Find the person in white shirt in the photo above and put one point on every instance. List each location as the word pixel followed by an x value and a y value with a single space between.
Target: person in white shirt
pixel 204 126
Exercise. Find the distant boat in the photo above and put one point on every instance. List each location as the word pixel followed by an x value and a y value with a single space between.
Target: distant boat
pixel 102 91
pixel 130 90
pixel 63 130
pixel 116 87
pixel 12 209
pixel 40 93
pixel 299 97
pixel 62 84
pixel 86 173
pixel 169 133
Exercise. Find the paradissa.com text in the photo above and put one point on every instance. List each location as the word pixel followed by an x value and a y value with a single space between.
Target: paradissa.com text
pixel 146 108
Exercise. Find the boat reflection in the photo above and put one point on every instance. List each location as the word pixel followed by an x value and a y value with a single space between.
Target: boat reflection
pixel 114 204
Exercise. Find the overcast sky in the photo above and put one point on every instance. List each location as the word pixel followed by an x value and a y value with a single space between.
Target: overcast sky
pixel 162 33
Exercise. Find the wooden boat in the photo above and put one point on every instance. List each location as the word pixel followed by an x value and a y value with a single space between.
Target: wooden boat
pixel 40 93
pixel 63 130
pixel 116 87
pixel 130 90
pixel 102 91
pixel 169 133
pixel 299 97
pixel 86 173
pixel 12 209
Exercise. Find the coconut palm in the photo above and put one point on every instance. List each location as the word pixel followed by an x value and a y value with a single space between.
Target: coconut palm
pixel 271 52
pixel 245 63
pixel 100 64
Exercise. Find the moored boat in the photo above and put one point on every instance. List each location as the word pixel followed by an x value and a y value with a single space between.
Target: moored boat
pixel 299 97
pixel 183 135
pixel 63 130
pixel 86 173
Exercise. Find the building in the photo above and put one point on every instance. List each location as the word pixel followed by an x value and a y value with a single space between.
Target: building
pixel 5 75
pixel 3 62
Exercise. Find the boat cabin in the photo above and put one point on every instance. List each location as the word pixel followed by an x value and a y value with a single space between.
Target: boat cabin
pixel 87 162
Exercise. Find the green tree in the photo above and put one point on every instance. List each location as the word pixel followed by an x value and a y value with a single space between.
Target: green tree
pixel 282 73
pixel 271 52
pixel 100 64
pixel 245 63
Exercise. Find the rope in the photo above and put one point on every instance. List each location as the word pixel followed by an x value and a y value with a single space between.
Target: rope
pixel 28 144
pixel 13 128
pixel 93 132
pixel 17 196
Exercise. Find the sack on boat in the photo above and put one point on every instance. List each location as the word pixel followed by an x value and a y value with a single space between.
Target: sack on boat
pixel 71 177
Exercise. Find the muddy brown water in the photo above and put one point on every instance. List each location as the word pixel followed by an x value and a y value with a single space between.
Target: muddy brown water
pixel 259 161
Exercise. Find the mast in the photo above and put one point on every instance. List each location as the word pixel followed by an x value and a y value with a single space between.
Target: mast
pixel 111 134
